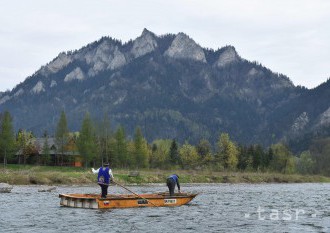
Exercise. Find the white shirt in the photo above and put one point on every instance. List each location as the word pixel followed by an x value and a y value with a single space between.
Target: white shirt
pixel 97 171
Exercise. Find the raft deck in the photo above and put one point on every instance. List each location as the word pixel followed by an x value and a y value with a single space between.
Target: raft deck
pixel 94 201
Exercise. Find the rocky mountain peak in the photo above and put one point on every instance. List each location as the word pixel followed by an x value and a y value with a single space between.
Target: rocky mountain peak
pixel 106 55
pixel 324 118
pixel 228 56
pixel 147 32
pixel 186 48
pixel 61 61
pixel 144 44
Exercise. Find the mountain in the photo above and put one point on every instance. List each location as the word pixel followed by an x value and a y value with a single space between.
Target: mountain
pixel 172 88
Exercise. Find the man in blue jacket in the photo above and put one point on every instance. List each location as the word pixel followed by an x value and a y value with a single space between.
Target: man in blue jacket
pixel 104 176
pixel 171 181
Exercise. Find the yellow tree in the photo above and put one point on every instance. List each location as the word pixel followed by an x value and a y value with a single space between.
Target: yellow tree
pixel 204 150
pixel 283 160
pixel 160 155
pixel 25 142
pixel 227 153
pixel 189 156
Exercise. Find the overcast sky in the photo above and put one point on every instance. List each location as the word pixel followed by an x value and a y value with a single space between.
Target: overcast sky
pixel 291 37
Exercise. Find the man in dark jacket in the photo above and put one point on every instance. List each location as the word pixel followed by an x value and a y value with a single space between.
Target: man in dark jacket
pixel 171 181
pixel 104 176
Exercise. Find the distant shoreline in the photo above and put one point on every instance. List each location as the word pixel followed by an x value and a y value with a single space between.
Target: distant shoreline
pixel 41 175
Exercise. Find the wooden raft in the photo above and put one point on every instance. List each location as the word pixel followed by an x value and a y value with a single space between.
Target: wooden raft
pixel 94 201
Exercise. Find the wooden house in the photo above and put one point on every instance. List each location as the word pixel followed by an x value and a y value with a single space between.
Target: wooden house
pixel 40 152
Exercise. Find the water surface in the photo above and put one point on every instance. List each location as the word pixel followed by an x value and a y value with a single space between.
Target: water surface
pixel 218 208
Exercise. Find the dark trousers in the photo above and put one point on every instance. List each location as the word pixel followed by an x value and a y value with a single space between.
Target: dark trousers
pixel 104 189
pixel 171 186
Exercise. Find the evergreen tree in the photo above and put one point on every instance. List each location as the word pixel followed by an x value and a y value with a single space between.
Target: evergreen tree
pixel 7 138
pixel 131 155
pixel 257 156
pixel 141 149
pixel 61 135
pixel 104 135
pixel 86 141
pixel 120 150
pixel 268 158
pixel 244 158
pixel 174 153
pixel 45 150
pixel 112 152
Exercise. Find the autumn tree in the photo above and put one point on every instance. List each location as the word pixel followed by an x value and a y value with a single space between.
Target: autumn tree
pixel 204 150
pixel 283 160
pixel 320 152
pixel 160 153
pixel 188 155
pixel 305 163
pixel 227 153
pixel 25 144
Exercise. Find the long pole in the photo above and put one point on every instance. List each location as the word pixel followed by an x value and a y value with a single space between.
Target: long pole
pixel 134 193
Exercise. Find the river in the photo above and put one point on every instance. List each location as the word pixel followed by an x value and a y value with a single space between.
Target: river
pixel 218 208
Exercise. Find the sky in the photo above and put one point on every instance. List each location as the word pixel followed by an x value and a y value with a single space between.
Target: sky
pixel 291 37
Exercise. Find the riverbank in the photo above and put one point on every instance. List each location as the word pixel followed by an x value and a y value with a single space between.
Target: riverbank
pixel 42 175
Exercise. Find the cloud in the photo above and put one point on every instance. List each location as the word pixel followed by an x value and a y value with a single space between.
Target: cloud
pixel 289 37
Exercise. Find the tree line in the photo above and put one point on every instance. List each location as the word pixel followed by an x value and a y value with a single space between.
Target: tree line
pixel 97 142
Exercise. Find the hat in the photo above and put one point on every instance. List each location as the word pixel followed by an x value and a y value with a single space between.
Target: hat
pixel 106 164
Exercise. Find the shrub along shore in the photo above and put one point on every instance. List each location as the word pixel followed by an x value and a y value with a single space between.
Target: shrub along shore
pixel 43 175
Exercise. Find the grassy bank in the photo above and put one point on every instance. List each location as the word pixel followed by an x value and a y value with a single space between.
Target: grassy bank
pixel 24 175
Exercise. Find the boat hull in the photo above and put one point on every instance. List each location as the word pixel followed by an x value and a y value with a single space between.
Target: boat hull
pixel 94 201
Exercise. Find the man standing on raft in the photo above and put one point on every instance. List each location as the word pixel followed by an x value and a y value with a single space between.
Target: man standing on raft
pixel 103 178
